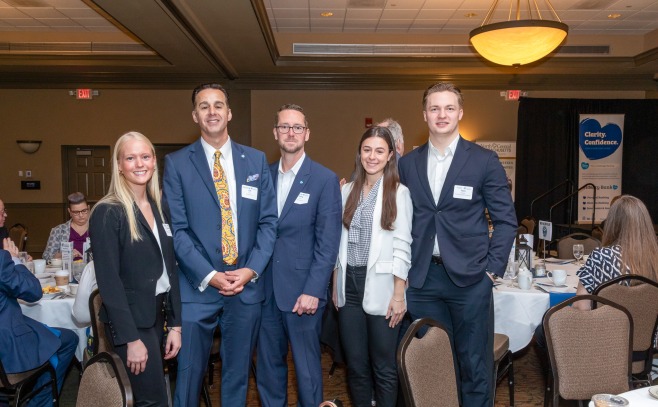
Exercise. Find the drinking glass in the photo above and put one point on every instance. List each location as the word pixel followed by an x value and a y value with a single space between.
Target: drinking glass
pixel 578 251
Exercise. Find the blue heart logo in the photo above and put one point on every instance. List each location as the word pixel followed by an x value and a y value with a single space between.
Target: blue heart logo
pixel 615 187
pixel 584 165
pixel 597 142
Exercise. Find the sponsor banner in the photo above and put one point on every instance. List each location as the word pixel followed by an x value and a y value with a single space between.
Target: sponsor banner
pixel 600 140
pixel 506 151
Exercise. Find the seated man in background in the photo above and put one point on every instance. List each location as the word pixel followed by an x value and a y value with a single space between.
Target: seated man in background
pixel 26 344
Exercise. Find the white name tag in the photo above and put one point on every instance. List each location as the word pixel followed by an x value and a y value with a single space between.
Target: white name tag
pixel 302 198
pixel 463 192
pixel 249 192
pixel 167 229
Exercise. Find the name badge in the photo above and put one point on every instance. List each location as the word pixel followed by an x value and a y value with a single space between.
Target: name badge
pixel 167 229
pixel 302 198
pixel 463 192
pixel 249 192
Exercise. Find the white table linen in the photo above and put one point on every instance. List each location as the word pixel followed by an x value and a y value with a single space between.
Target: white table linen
pixel 637 398
pixel 57 313
pixel 517 312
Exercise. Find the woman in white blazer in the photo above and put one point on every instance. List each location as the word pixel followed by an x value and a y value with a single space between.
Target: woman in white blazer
pixel 371 271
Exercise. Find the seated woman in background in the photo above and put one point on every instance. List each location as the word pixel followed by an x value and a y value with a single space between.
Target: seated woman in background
pixel 75 230
pixel 629 247
pixel 4 233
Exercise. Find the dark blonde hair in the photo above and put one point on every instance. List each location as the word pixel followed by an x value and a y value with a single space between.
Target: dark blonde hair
pixel 389 183
pixel 443 87
pixel 629 226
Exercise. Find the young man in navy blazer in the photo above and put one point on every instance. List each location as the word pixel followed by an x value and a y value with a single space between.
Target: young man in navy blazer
pixel 296 280
pixel 453 261
pixel 217 288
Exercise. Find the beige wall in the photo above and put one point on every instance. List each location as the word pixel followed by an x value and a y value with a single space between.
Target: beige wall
pixel 337 120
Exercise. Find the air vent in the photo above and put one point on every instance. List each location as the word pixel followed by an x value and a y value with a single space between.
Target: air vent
pixel 421 49
pixel 117 48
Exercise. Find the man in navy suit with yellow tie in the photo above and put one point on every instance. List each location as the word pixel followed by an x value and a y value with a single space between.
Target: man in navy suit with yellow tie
pixel 223 213
pixel 453 261
pixel 296 280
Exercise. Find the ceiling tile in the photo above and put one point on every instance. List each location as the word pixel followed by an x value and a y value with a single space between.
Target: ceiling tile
pixel 361 24
pixel 404 4
pixel 78 12
pixel 290 12
pixel 40 12
pixel 426 13
pixel 428 23
pixel 644 16
pixel 360 13
pixel 326 22
pixel 6 12
pixel 399 14
pixel 394 24
pixel 289 3
pixel 58 22
pixel 327 29
pixel 292 23
pixel 328 3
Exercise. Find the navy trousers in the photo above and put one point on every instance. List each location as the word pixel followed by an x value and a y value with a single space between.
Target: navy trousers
pixel 467 315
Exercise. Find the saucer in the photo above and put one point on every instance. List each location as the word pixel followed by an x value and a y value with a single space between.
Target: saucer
pixel 653 391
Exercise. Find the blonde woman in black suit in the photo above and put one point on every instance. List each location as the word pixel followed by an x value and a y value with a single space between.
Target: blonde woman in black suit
pixel 136 268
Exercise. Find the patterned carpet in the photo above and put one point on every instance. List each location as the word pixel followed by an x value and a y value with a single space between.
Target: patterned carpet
pixel 529 384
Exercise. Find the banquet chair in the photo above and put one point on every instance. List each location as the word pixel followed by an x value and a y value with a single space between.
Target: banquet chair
pixel 589 351
pixel 426 367
pixel 503 365
pixel 597 233
pixel 16 381
pixel 639 295
pixel 18 234
pixel 100 342
pixel 529 223
pixel 565 244
pixel 105 383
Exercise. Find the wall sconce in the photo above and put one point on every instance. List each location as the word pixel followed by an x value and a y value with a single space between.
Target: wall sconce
pixel 29 146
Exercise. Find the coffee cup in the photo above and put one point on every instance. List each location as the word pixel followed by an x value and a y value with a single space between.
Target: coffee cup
pixel 56 262
pixel 39 266
pixel 73 288
pixel 62 278
pixel 558 277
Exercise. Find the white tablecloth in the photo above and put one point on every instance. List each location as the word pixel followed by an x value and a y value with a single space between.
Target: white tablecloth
pixel 57 313
pixel 637 398
pixel 517 313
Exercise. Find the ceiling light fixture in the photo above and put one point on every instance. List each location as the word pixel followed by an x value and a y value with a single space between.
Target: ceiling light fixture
pixel 518 41
pixel 327 14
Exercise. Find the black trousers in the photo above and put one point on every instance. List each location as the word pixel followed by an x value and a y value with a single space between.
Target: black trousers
pixel 149 388
pixel 369 345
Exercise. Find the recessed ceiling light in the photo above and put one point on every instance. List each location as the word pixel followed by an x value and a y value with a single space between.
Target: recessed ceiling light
pixel 327 14
pixel 614 15
pixel 470 15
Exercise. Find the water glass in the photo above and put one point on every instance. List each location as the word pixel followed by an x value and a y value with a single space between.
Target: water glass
pixel 22 256
pixel 578 251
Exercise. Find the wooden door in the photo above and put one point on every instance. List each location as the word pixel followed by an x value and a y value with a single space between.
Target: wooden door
pixel 87 169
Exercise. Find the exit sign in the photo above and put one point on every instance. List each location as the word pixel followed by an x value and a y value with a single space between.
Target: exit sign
pixel 513 95
pixel 83 94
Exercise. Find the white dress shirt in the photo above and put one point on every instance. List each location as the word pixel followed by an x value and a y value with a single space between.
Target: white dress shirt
pixel 437 169
pixel 226 160
pixel 284 182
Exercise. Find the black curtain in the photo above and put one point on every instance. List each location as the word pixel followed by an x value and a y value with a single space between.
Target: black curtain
pixel 547 151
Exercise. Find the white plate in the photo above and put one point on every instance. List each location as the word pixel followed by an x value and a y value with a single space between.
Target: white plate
pixel 28 303
pixel 549 284
pixel 653 390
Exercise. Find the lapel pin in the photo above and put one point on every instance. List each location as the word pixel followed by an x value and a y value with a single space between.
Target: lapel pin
pixel 242 155
pixel 301 182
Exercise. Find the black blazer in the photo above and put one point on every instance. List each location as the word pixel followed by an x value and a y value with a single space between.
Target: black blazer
pixel 127 272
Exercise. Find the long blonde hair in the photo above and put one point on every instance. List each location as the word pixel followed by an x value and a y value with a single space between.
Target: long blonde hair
pixel 119 191
pixel 629 225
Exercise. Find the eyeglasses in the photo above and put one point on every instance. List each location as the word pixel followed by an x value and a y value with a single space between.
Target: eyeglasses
pixel 80 213
pixel 283 129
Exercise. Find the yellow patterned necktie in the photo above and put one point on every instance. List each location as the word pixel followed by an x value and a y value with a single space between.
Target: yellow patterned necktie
pixel 229 247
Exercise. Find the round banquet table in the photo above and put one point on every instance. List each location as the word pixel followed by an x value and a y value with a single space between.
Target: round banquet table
pixel 517 312
pixel 637 398
pixel 57 313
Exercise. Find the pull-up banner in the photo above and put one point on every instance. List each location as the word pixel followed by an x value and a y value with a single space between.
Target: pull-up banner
pixel 601 146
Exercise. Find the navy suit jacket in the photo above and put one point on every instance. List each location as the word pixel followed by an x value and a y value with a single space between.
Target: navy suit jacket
pixel 127 272
pixel 308 236
pixel 196 218
pixel 460 225
pixel 24 343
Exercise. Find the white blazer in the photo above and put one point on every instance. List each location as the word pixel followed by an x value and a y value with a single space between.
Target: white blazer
pixel 389 254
